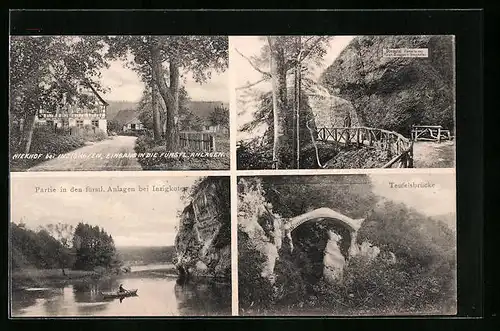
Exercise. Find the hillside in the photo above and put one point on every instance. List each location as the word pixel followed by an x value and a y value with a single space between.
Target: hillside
pixel 146 255
pixel 395 92
pixel 200 108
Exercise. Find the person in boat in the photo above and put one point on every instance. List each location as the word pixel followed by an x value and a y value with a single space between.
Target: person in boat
pixel 121 289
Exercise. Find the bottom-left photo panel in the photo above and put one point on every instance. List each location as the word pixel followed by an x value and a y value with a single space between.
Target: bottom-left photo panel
pixel 83 246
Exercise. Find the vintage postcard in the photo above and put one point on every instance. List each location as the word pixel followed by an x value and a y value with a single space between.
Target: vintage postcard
pixel 91 103
pixel 344 102
pixel 120 246
pixel 347 245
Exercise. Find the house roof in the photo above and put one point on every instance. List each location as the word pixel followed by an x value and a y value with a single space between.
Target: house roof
pixel 126 116
pixel 116 106
pixel 96 93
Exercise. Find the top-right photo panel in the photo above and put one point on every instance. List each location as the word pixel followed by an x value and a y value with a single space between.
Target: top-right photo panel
pixel 344 102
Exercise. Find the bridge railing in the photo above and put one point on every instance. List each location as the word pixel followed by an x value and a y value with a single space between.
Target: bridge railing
pixel 399 147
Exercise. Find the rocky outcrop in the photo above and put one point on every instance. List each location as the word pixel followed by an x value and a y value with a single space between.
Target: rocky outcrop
pixel 330 110
pixel 203 242
pixel 394 92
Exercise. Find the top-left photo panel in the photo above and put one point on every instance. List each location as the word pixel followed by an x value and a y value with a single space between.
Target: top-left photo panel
pixel 118 103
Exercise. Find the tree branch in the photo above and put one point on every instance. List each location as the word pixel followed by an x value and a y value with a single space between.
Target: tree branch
pixel 252 84
pixel 253 65
pixel 308 49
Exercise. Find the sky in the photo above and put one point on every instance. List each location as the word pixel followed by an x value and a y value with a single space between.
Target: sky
pixel 438 200
pixel 132 218
pixel 244 73
pixel 125 85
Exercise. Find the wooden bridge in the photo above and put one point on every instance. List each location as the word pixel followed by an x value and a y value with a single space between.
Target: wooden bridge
pixel 429 133
pixel 399 147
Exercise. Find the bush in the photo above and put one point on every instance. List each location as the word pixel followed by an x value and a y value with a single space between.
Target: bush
pixel 255 292
pixel 45 141
pixel 90 133
pixel 146 144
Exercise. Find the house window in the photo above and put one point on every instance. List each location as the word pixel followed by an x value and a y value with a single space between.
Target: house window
pixel 132 126
pixel 50 123
pixel 95 123
pixel 207 127
pixel 79 123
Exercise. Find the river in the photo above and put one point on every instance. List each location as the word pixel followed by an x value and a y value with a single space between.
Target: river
pixel 159 294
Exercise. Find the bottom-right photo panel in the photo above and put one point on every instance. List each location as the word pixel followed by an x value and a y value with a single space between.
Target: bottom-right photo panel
pixel 347 245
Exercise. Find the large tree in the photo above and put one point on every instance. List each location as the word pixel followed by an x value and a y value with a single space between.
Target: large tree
pixel 154 56
pixel 286 55
pixel 63 233
pixel 46 71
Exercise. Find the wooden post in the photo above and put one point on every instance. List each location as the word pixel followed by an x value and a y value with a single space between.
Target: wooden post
pixel 202 142
pixel 439 135
pixel 212 140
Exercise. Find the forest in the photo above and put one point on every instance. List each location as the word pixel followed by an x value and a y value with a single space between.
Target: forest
pixel 420 277
pixel 62 246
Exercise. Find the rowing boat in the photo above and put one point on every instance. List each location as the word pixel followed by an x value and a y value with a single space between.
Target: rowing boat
pixel 128 293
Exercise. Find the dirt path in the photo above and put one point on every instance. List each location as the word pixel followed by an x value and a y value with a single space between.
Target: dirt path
pixel 434 155
pixel 117 144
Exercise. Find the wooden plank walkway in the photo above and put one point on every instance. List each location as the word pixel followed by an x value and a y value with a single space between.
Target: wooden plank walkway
pixel 399 147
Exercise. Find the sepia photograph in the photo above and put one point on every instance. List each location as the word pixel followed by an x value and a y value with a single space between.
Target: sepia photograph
pixel 347 245
pixel 91 103
pixel 84 246
pixel 344 102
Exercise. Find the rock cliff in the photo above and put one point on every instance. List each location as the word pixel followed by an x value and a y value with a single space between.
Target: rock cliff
pixel 203 242
pixel 394 93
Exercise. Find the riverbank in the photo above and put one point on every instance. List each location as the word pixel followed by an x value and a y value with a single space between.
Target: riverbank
pixel 42 278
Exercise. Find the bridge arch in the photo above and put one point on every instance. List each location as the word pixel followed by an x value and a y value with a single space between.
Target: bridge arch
pixel 326 214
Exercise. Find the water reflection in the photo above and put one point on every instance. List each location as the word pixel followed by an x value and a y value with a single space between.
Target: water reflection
pixel 157 296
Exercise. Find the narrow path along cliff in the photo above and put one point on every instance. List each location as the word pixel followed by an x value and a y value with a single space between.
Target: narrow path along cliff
pixel 113 146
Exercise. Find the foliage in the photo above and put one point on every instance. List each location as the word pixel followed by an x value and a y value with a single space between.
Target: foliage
pixel 94 248
pixel 292 196
pixel 146 144
pixel 36 249
pixel 220 116
pixel 47 141
pixel 252 288
pixel 114 126
pixel 146 111
pixel 47 70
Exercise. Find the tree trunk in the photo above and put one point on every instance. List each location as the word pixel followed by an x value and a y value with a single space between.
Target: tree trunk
pixel 157 130
pixel 27 133
pixel 278 79
pixel 170 95
pixel 172 134
pixel 297 115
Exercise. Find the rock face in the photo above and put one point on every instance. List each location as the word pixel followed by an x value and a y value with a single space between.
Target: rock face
pixel 333 260
pixel 330 110
pixel 394 93
pixel 203 242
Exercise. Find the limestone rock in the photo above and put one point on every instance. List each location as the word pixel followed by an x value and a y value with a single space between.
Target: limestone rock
pixel 203 242
pixel 394 93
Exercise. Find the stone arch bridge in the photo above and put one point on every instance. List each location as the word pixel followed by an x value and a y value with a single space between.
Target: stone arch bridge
pixel 350 224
